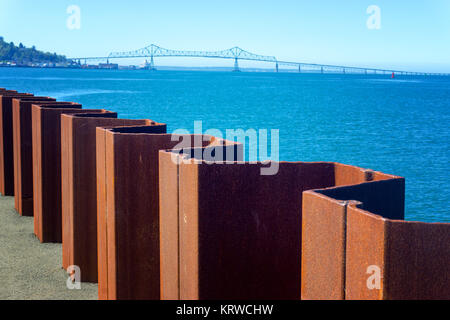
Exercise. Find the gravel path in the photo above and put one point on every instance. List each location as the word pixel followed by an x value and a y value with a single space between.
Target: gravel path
pixel 30 270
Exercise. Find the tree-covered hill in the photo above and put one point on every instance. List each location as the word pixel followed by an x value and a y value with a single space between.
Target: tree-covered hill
pixel 23 55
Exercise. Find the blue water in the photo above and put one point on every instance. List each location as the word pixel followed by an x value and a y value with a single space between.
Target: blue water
pixel 396 126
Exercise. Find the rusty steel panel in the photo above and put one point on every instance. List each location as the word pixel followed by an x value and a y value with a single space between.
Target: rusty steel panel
pixel 79 187
pixel 326 226
pixel 107 287
pixel 385 257
pixel 365 250
pixel 168 220
pixel 23 151
pixel 47 169
pixel 256 231
pixel 239 240
pixel 102 204
pixel 324 236
pixel 188 237
pixel 412 257
pixel 6 142
pixel 346 175
pixel 128 211
pixel 169 162
pixel 382 197
pixel 323 248
pixel 130 229
pixel 417 261
pixel 6 92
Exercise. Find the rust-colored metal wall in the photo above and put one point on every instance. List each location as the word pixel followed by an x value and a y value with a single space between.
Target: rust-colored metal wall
pixel 426 246
pixel 248 233
pixel 151 220
pixel 364 248
pixel 6 141
pixel 169 170
pixel 79 187
pixel 128 211
pixel 168 224
pixel 413 257
pixel 23 150
pixel 47 169
pixel 239 231
pixel 325 226
pixel 384 197
pixel 323 248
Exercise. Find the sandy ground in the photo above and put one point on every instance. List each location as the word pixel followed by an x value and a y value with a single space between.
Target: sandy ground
pixel 30 270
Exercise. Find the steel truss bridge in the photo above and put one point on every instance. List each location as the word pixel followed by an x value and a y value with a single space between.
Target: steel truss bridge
pixel 237 54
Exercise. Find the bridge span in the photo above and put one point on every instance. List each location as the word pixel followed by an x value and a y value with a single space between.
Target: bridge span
pixel 237 54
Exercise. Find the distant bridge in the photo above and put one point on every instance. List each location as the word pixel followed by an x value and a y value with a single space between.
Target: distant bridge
pixel 237 54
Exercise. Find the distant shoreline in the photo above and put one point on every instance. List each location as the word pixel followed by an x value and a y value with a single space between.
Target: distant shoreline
pixel 217 69
pixel 31 67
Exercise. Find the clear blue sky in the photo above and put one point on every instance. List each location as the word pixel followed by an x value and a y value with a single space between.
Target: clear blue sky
pixel 414 34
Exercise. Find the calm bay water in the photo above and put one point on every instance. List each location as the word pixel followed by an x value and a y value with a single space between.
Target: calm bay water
pixel 399 126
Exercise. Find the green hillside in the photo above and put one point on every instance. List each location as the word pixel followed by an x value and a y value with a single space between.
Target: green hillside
pixel 9 52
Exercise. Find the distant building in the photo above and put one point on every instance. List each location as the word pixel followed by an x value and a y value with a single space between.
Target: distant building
pixel 127 67
pixel 89 66
pixel 147 66
pixel 111 66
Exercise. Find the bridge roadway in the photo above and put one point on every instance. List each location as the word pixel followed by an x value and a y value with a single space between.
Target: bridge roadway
pixel 237 54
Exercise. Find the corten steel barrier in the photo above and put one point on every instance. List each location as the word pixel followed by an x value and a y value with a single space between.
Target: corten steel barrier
pixel 170 193
pixel 239 231
pixel 243 226
pixel 47 169
pixel 174 225
pixel 324 226
pixel 412 257
pixel 79 187
pixel 128 210
pixel 23 151
pixel 6 141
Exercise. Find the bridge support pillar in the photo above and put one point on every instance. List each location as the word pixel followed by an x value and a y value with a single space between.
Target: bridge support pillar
pixel 152 64
pixel 276 67
pixel 236 65
pixel 299 68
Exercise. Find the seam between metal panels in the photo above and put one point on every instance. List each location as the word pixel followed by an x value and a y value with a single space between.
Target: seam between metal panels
pixel 386 252
pixel 344 258
pixel 106 216
pixel 178 231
